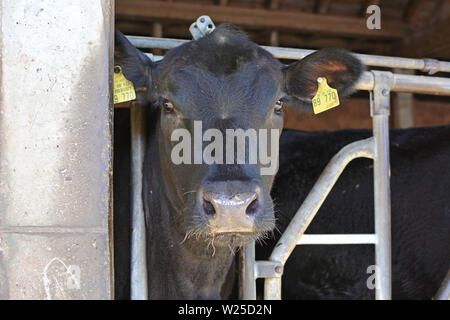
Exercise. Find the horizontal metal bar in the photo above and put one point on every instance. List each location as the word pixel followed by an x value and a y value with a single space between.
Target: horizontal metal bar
pixel 297 54
pixel 402 83
pixel 52 229
pixel 409 83
pixel 337 239
pixel 310 206
pixel 421 84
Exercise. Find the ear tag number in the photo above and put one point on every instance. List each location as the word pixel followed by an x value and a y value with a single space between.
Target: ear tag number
pixel 123 88
pixel 325 98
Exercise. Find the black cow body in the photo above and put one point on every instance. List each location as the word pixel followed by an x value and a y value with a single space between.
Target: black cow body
pixel 420 184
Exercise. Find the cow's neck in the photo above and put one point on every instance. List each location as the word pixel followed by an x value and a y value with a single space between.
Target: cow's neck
pixel 191 269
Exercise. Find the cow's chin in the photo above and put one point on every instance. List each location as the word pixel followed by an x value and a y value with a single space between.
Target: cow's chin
pixel 233 239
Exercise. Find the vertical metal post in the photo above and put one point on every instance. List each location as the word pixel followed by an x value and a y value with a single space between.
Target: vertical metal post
pixel 139 286
pixel 247 275
pixel 272 289
pixel 380 107
pixel 56 149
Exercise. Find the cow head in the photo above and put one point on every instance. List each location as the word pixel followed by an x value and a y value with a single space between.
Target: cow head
pixel 209 91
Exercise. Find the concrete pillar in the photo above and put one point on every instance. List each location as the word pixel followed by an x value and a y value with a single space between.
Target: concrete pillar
pixel 55 149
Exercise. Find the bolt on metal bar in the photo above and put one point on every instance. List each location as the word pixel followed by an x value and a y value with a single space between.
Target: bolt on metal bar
pixel 310 206
pixel 444 291
pixel 297 54
pixel 139 286
pixel 268 269
pixel 380 109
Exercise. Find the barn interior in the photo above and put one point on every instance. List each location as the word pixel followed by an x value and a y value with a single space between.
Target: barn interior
pixel 409 28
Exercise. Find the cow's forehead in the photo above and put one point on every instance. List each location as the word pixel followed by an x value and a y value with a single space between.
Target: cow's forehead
pixel 251 88
pixel 224 52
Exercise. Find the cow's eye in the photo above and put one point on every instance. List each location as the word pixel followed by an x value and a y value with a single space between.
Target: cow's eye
pixel 278 107
pixel 167 105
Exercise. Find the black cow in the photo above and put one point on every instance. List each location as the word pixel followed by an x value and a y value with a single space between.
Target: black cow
pixel 420 184
pixel 198 214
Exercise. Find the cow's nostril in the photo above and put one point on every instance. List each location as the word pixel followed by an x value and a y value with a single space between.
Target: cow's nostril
pixel 208 208
pixel 252 208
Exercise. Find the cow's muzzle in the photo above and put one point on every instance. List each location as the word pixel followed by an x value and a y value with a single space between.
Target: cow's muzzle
pixel 231 207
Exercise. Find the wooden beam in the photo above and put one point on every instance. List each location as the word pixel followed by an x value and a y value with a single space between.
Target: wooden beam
pixel 413 9
pixel 356 45
pixel 257 18
pixel 441 12
pixel 274 4
pixel 323 6
pixel 433 42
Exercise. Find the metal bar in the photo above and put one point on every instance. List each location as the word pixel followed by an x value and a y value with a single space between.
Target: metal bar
pixel 139 276
pixel 297 54
pixel 337 239
pixel 56 149
pixel 380 106
pixel 421 84
pixel 268 269
pixel 409 83
pixel 317 195
pixel 272 289
pixel 248 275
pixel 402 83
pixel 310 206
pixel 444 291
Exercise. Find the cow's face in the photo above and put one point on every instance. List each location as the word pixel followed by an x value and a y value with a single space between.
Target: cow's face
pixel 220 103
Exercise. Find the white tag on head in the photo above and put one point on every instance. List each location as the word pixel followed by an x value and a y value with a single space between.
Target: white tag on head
pixel 201 27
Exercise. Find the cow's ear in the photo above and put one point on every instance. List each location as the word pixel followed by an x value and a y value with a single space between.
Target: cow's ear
pixel 341 69
pixel 136 66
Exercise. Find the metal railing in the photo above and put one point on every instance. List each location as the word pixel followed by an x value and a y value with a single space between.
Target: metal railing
pixel 427 65
pixel 380 84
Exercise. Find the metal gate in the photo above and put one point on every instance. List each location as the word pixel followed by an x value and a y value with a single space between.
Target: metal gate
pixel 380 84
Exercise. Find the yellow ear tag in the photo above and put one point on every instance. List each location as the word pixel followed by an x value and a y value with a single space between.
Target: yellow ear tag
pixel 123 88
pixel 325 98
